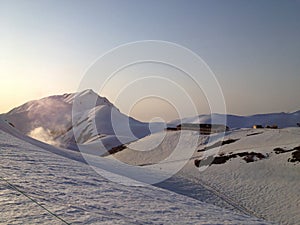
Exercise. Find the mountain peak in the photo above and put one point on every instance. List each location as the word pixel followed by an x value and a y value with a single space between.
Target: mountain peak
pixel 87 99
pixel 88 92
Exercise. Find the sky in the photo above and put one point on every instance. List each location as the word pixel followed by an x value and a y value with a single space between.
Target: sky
pixel 252 47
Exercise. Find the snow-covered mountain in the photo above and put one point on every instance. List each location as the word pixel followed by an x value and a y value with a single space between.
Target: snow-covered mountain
pixel 83 119
pixel 282 120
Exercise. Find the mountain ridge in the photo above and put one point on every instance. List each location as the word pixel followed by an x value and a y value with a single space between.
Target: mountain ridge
pixel 282 119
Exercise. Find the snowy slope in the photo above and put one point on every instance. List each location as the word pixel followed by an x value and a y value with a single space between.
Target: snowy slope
pixel 282 120
pixel 266 187
pixel 79 118
pixel 269 187
pixel 40 187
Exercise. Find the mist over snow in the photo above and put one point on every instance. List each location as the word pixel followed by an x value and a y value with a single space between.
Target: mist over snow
pixel 44 135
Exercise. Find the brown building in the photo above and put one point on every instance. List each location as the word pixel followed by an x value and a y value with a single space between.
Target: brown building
pixel 256 126
pixel 203 128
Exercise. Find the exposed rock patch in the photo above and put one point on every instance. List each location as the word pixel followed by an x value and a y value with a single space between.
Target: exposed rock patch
pixel 247 156
pixel 117 149
pixel 218 144
pixel 252 134
pixel 282 150
pixel 295 156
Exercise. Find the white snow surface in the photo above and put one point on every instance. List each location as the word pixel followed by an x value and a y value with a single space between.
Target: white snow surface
pixel 40 184
pixel 268 188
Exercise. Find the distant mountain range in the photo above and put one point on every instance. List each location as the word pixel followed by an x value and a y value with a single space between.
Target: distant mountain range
pixel 282 120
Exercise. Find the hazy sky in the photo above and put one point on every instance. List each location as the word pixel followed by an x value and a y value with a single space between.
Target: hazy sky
pixel 252 46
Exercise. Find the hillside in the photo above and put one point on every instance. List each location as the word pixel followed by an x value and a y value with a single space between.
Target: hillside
pixel 256 170
pixel 53 186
